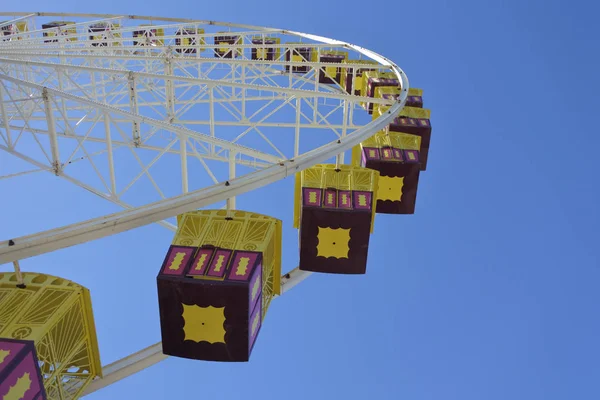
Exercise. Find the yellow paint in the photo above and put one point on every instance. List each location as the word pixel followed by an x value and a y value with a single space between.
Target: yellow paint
pixel 412 156
pixel 390 188
pixel 242 266
pixel 362 200
pixel 223 50
pixel 344 199
pixel 18 391
pixel 297 58
pixel 331 71
pixel 255 322
pixel 201 262
pixel 3 355
pixel 177 260
pixel 329 198
pixel 416 112
pixel 312 197
pixel 255 289
pixel 261 54
pixel 204 324
pixel 333 242
pixel 219 263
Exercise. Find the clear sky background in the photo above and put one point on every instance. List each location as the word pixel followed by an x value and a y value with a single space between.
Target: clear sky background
pixel 489 292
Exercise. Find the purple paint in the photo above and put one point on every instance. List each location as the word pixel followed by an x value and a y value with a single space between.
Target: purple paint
pixel 14 348
pixel 27 366
pixel 398 154
pixel 201 262
pixel 257 277
pixel 387 154
pixel 306 197
pixel 252 335
pixel 358 204
pixel 344 195
pixel 330 200
pixel 411 156
pixel 371 153
pixel 183 262
pixel 245 259
pixel 218 266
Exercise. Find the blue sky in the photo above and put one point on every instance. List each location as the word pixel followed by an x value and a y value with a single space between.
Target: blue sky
pixel 488 292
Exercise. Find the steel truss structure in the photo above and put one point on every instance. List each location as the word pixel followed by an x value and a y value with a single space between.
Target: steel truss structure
pixel 107 102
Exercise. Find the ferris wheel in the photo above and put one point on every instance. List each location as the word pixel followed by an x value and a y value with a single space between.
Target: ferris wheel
pixel 225 108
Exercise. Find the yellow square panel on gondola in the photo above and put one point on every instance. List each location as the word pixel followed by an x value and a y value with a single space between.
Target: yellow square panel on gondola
pixel 148 35
pixel 353 78
pixel 270 52
pixel 219 266
pixel 330 75
pixel 56 314
pixel 299 54
pixel 226 43
pixel 334 210
pixel 104 33
pixel 188 41
pixel 59 29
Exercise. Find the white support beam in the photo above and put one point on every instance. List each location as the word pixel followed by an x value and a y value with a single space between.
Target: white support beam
pixel 154 122
pixel 56 166
pixel 109 155
pixel 206 81
pixel 211 105
pixel 133 106
pixel 184 164
pixel 344 129
pixel 4 116
pixel 297 130
pixel 231 200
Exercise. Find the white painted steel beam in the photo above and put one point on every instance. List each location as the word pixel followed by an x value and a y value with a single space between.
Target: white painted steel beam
pixel 160 124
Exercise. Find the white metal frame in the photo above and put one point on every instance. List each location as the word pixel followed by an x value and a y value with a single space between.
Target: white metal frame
pixel 50 95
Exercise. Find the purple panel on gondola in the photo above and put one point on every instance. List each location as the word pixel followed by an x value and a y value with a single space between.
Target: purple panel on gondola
pixel 387 154
pixel 177 260
pixel 23 382
pixel 218 266
pixel 242 265
pixel 254 323
pixel 411 156
pixel 345 199
pixel 312 197
pixel 371 153
pixel 362 200
pixel 12 348
pixel 201 262
pixel 255 287
pixel 423 122
pixel 330 199
pixel 398 154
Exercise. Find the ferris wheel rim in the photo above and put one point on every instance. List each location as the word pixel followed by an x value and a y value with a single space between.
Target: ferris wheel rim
pixel 70 235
